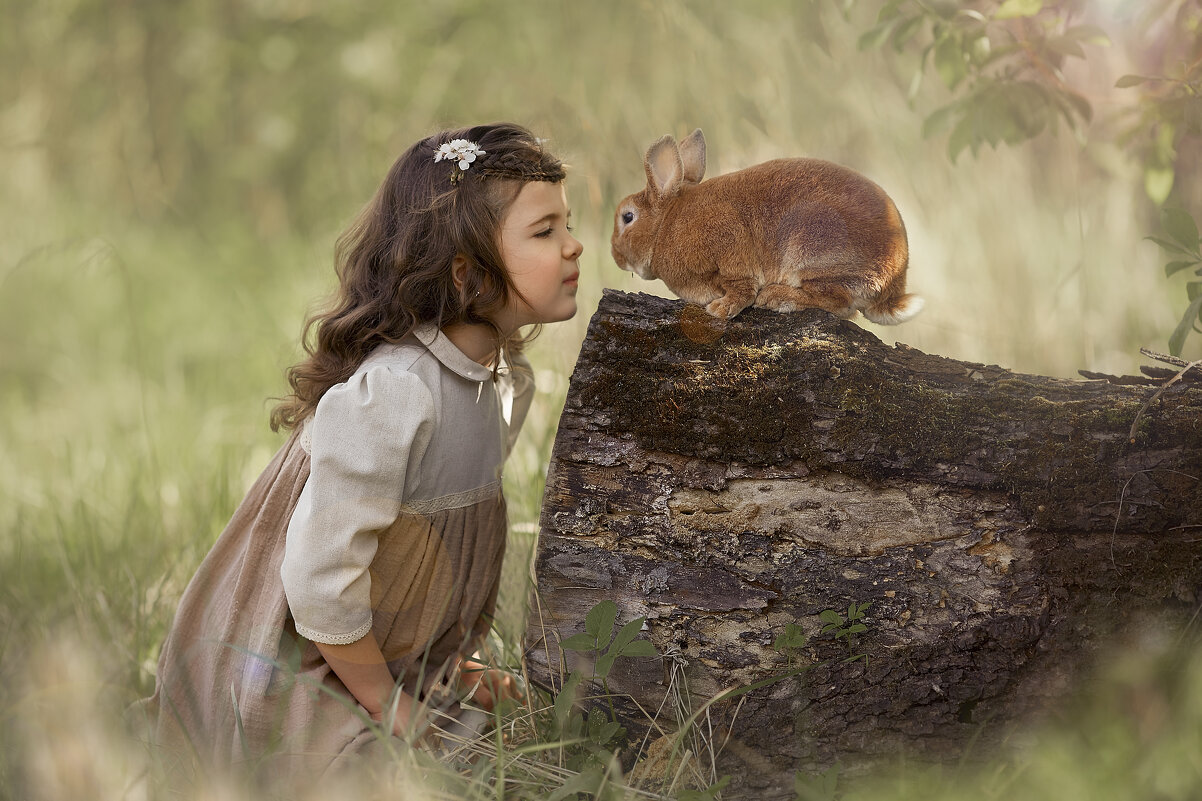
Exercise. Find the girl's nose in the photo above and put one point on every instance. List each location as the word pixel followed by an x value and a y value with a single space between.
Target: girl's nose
pixel 574 248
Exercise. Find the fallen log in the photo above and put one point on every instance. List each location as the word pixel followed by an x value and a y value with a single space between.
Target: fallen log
pixel 726 480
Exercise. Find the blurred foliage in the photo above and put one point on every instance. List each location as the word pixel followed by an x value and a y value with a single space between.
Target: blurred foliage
pixel 175 175
pixel 1007 60
pixel 266 108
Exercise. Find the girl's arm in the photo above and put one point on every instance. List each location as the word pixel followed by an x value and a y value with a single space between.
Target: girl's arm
pixel 362 668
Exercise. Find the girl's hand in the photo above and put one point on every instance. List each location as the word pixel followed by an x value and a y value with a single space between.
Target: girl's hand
pixel 488 686
pixel 418 733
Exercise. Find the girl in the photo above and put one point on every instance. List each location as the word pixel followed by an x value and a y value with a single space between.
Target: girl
pixel 360 572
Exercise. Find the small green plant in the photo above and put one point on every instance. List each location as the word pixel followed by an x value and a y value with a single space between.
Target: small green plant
pixel 1182 243
pixel 846 626
pixel 790 643
pixel 595 732
pixel 598 636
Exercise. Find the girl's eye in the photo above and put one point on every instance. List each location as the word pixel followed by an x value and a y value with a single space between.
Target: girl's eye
pixel 544 234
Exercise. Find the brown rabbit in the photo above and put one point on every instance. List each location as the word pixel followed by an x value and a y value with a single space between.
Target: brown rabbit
pixel 786 234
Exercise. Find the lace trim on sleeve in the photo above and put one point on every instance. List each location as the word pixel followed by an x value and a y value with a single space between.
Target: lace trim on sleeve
pixel 333 639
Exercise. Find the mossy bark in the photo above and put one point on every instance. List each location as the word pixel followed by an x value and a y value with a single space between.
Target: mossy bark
pixel 727 479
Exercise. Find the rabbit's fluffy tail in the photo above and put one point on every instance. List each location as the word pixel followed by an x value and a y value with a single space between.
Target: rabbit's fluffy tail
pixel 893 310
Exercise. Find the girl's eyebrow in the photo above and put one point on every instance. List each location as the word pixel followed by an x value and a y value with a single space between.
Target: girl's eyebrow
pixel 549 217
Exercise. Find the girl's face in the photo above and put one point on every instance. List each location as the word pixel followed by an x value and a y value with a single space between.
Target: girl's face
pixel 540 256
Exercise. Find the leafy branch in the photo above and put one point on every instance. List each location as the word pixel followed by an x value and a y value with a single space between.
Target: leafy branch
pixel 1004 61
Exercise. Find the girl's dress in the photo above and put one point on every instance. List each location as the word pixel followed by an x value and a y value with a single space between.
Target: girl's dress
pixel 381 516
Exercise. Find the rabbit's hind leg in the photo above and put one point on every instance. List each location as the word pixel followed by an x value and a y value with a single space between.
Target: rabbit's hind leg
pixel 832 297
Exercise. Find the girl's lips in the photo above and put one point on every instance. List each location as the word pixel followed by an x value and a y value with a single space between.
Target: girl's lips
pixel 572 280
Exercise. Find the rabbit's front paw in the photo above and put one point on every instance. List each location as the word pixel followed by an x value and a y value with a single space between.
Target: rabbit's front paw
pixel 726 307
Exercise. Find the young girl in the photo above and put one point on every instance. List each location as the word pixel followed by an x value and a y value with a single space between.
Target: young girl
pixel 359 574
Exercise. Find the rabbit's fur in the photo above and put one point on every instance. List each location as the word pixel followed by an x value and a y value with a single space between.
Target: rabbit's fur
pixel 786 234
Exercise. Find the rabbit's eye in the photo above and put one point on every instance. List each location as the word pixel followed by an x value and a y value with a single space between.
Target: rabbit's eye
pixel 627 217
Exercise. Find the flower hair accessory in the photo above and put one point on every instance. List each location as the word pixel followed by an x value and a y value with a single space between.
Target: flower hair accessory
pixel 460 151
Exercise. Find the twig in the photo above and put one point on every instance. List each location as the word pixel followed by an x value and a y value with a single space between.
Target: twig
pixel 1164 357
pixel 1185 367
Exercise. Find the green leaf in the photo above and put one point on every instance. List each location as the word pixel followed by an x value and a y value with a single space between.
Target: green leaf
pixel 1158 182
pixel 949 61
pixel 1127 81
pixel 627 634
pixel 603 734
pixel 1181 226
pixel 600 622
pixel 857 628
pixel 1193 290
pixel 980 49
pixel 876 36
pixel 580 642
pixel 1171 247
pixel 1018 8
pixel 831 616
pixel 905 32
pixel 1077 103
pixel 962 136
pixel 587 781
pixel 915 87
pixel 640 648
pixel 793 637
pixel 566 698
pixel 1177 340
pixel 605 664
pixel 939 120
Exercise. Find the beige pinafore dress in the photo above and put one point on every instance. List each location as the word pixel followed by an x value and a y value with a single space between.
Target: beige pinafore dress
pixel 382 516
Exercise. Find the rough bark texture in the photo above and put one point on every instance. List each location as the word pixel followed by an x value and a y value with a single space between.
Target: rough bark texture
pixel 725 480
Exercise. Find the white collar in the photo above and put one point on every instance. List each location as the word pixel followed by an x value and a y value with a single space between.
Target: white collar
pixel 450 356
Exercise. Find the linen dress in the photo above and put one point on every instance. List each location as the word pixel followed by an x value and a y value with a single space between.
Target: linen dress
pixel 381 516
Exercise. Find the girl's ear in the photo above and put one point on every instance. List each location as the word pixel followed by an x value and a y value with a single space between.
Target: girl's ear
pixel 459 272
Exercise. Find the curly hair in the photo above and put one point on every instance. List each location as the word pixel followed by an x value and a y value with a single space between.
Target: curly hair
pixel 394 262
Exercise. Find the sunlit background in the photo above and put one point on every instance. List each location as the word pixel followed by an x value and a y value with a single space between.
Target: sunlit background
pixel 175 174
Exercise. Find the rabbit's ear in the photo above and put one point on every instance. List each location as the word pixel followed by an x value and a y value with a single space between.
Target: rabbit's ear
pixel 692 156
pixel 664 169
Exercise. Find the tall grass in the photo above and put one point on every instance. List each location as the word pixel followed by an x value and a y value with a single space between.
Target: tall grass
pixel 152 286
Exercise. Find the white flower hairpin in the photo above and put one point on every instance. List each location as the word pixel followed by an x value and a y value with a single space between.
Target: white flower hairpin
pixel 460 151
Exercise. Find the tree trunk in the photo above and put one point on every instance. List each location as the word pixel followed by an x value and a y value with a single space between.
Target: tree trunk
pixel 725 480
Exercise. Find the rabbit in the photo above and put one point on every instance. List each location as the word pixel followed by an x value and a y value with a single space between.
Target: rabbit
pixel 785 235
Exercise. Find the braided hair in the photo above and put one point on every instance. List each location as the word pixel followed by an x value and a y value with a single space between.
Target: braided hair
pixel 394 262
pixel 519 167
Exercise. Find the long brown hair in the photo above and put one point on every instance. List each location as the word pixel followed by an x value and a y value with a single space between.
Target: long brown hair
pixel 394 262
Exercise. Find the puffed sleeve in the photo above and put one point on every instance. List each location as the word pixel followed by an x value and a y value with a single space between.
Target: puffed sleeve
pixel 520 394
pixel 366 435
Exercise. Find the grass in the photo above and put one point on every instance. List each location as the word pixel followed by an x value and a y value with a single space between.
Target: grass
pixel 151 293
